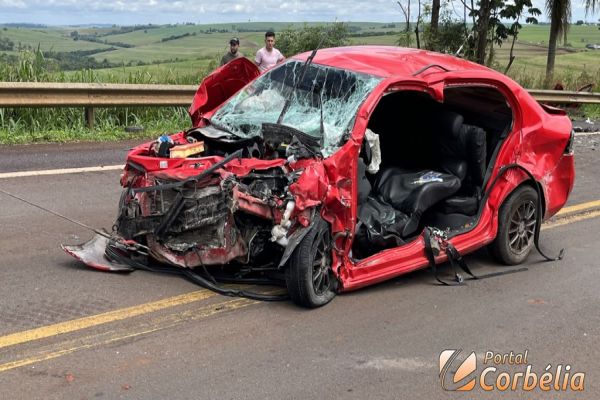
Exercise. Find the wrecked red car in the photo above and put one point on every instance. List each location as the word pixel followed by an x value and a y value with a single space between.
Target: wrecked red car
pixel 342 168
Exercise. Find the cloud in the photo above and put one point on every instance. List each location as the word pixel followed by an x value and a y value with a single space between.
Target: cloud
pixel 13 4
pixel 127 12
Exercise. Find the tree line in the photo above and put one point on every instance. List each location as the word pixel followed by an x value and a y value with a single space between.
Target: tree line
pixel 482 25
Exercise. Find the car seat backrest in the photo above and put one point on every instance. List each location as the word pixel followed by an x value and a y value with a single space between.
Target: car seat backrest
pixel 476 139
pixel 462 148
pixel 449 123
pixel 452 150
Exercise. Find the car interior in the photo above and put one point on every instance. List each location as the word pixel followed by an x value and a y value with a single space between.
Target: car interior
pixel 434 160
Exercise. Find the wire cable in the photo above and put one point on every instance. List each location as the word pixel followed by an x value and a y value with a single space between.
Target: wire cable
pixel 99 232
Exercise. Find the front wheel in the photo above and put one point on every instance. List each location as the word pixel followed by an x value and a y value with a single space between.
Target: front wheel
pixel 516 227
pixel 309 278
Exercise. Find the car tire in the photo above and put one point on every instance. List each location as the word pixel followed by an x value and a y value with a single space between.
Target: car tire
pixel 516 227
pixel 309 278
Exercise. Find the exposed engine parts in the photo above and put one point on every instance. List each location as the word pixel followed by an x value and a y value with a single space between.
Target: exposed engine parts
pixel 213 217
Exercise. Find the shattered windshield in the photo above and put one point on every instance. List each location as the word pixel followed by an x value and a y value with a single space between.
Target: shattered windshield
pixel 325 94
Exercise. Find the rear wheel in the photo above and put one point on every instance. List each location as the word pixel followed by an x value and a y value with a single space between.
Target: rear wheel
pixel 309 278
pixel 516 227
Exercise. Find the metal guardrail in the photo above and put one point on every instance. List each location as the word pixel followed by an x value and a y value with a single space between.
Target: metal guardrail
pixel 565 97
pixel 91 95
pixel 35 94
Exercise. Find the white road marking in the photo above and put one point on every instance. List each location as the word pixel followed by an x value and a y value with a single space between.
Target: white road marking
pixel 21 174
pixel 577 134
pixel 403 364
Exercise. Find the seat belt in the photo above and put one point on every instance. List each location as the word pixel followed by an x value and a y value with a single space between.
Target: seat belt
pixel 436 241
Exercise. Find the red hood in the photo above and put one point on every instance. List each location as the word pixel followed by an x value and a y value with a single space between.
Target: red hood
pixel 220 85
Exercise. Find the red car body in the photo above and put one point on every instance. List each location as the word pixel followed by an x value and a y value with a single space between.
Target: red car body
pixel 537 139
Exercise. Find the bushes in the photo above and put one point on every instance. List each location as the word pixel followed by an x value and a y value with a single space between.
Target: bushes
pixel 6 44
pixel 293 41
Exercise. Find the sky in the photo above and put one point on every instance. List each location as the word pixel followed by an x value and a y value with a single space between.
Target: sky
pixel 131 12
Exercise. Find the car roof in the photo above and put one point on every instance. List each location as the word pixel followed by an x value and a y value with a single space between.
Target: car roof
pixel 388 61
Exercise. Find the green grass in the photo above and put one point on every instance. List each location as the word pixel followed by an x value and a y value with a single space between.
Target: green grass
pixel 51 39
pixel 188 72
pixel 189 47
pixel 154 35
pixel 387 40
pixel 577 37
pixel 591 111
pixel 68 125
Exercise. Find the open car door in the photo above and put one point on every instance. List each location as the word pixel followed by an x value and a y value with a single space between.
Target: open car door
pixel 220 85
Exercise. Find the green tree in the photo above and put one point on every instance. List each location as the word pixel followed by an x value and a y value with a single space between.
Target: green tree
pixel 590 6
pixel 482 29
pixel 490 26
pixel 293 41
pixel 449 34
pixel 559 12
pixel 435 18
pixel 515 12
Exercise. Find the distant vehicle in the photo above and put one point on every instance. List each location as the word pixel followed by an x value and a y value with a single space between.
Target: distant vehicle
pixel 592 46
pixel 334 170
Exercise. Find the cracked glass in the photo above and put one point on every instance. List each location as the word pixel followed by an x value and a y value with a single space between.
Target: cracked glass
pixel 323 104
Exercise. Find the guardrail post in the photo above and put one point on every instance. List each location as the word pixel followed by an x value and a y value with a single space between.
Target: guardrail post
pixel 89 117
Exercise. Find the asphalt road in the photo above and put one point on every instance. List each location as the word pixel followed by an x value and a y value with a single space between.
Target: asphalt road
pixel 67 332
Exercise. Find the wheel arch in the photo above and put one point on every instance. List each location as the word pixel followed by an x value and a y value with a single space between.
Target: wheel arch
pixel 537 186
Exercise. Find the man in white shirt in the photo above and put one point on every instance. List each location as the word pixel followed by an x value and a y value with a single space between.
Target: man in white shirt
pixel 268 56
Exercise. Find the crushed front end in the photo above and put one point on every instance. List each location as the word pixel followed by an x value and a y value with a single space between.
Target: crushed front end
pixel 208 211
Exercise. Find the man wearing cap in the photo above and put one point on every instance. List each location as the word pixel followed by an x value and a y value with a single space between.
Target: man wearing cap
pixel 233 53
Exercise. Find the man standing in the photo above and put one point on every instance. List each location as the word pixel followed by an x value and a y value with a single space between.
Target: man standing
pixel 268 55
pixel 233 53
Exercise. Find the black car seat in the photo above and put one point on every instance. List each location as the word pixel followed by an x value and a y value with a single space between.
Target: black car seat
pixel 413 192
pixel 379 224
pixel 462 154
pixel 390 211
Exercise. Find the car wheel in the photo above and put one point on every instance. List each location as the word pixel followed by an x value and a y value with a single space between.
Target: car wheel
pixel 516 227
pixel 309 278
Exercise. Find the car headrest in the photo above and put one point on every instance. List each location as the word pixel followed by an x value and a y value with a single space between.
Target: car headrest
pixel 449 123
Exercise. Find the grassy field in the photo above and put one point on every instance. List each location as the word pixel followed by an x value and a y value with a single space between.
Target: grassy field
pixel 177 73
pixel 189 47
pixel 50 39
pixel 578 36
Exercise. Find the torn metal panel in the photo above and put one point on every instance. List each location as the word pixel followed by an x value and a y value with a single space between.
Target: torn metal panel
pixel 92 254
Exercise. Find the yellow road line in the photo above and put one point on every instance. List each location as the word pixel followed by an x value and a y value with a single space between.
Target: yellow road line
pixel 99 319
pixel 578 208
pixel 570 220
pixel 129 312
pixel 161 323
pixel 21 174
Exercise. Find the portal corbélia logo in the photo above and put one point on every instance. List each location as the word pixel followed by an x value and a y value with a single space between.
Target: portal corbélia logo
pixel 504 372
